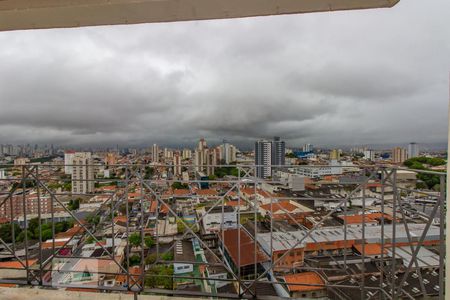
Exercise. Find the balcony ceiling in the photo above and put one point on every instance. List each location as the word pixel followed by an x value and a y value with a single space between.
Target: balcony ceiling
pixel 31 14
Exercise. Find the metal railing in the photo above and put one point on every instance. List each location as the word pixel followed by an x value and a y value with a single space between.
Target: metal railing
pixel 145 229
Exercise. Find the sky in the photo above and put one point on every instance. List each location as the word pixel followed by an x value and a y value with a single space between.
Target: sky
pixel 340 78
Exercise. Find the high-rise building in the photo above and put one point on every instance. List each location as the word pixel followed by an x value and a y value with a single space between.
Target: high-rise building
pixel 211 161
pixel 227 152
pixel 82 173
pixel 110 159
pixel 176 165
pixel 68 161
pixel 168 153
pixel 369 155
pixel 155 153
pixel 198 160
pixel 413 150
pixel 278 151
pixel 201 144
pixel 335 154
pixel 307 148
pixel 187 154
pixel 263 158
pixel 399 155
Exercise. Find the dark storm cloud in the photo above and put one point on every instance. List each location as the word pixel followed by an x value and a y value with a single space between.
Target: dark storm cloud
pixel 378 76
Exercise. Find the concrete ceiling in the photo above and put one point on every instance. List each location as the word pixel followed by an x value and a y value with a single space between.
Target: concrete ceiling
pixel 31 14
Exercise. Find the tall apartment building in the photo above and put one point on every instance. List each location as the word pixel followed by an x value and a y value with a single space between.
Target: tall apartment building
pixel 413 150
pixel 201 144
pixel 198 160
pixel 168 153
pixel 110 159
pixel 68 161
pixel 399 155
pixel 335 154
pixel 278 151
pixel 155 153
pixel 263 158
pixel 82 173
pixel 307 148
pixel 187 154
pixel 369 155
pixel 227 152
pixel 211 161
pixel 176 164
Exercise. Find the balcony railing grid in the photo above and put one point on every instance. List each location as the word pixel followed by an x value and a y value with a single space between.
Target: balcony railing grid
pixel 251 254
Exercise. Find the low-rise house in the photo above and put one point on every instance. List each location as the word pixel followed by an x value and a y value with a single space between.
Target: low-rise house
pixel 305 285
pixel 212 221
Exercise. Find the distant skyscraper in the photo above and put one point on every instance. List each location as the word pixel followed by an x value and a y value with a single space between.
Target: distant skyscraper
pixel 399 155
pixel 211 161
pixel 227 152
pixel 307 148
pixel 335 154
pixel 263 158
pixel 176 165
pixel 369 155
pixel 278 151
pixel 187 153
pixel 155 153
pixel 82 173
pixel 201 144
pixel 413 150
pixel 168 153
pixel 198 160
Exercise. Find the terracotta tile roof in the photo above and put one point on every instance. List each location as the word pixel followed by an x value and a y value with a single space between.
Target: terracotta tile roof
pixel 305 277
pixel 70 232
pixel 15 264
pixel 48 245
pixel 369 249
pixel 235 203
pixel 282 206
pixel 164 208
pixel 207 192
pixel 181 192
pixel 245 244
pixel 153 206
pixel 369 218
pixel 134 276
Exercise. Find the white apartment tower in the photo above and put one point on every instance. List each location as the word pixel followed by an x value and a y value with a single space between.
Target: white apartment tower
pixel 413 150
pixel 155 153
pixel 68 161
pixel 176 164
pixel 82 173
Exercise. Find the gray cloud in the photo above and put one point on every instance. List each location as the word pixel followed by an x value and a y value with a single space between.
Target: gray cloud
pixel 378 76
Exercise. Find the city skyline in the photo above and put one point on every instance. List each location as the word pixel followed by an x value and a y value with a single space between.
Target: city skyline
pixel 169 83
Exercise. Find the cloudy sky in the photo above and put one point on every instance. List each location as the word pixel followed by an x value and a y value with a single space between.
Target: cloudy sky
pixel 378 76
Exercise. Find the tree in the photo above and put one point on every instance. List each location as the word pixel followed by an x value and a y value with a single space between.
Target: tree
pixel 165 281
pixel 21 237
pixel 6 232
pixel 135 260
pixel 74 204
pixel 46 234
pixel 150 259
pixel 179 185
pixel 149 241
pixel 135 239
